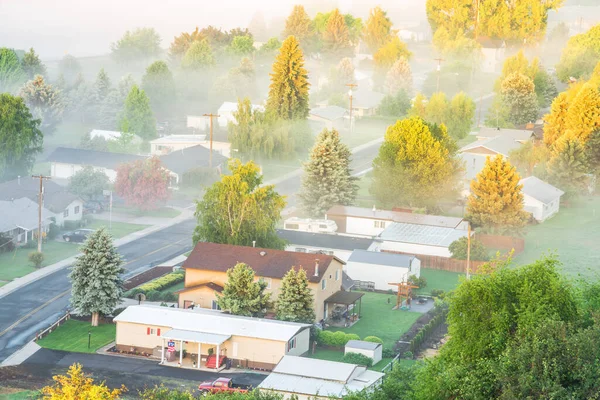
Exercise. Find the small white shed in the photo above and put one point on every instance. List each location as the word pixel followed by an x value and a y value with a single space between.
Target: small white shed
pixel 369 349
pixel 381 268
pixel 540 199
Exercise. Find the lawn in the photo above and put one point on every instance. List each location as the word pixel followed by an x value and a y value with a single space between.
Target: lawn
pixel 20 395
pixel 15 264
pixel 163 212
pixel 118 229
pixel 337 355
pixel 272 169
pixel 573 234
pixel 437 279
pixel 378 319
pixel 73 336
pixel 366 130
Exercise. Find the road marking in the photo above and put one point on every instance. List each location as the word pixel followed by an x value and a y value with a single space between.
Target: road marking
pixel 29 314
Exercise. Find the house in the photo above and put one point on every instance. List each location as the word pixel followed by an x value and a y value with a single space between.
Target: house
pixel 381 268
pixel 372 222
pixel 228 108
pixel 541 199
pixel 312 379
pixel 493 54
pixel 208 263
pixel 333 117
pixel 168 144
pixel 63 205
pixel 340 246
pixel 197 122
pixel 180 162
pixel 19 219
pixel 372 350
pixel 248 342
pixel 518 135
pixel 493 146
pixel 365 102
pixel 111 135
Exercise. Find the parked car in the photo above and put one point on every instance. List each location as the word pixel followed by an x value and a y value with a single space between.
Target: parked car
pixel 222 385
pixel 93 207
pixel 78 236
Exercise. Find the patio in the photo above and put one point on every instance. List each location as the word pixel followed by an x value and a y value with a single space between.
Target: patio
pixel 193 343
pixel 341 309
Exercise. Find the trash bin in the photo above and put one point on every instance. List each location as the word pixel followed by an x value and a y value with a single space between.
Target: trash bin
pixel 228 364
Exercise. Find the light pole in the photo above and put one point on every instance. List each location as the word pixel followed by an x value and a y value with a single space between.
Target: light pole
pixel 211 115
pixel 40 206
pixel 109 193
pixel 439 69
pixel 351 86
pixel 89 338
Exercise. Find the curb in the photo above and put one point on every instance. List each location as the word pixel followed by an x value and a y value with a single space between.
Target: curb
pixel 19 356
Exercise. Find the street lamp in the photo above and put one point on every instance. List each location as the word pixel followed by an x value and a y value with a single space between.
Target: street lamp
pixel 351 86
pixel 108 193
pixel 89 338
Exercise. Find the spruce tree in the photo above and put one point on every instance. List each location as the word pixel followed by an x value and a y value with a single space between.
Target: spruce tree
pixel 295 300
pixel 288 92
pixel 32 65
pixel 298 24
pixel 568 166
pixel 327 179
pixel 101 86
pixel 496 200
pixel 242 295
pixel 95 277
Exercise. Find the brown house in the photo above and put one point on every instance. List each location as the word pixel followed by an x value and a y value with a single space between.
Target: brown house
pixel 207 265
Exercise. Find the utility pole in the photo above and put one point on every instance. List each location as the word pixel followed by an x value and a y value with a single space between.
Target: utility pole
pixel 40 205
pixel 477 21
pixel 439 68
pixel 351 86
pixel 211 115
pixel 480 107
pixel 468 250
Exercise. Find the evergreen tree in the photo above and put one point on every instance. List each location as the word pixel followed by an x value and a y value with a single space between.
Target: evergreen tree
pixel 568 167
pixel 96 277
pixel 519 99
pixel 101 86
pixel 11 70
pixel 69 67
pixel 377 30
pixel 242 295
pixel 288 92
pixel 295 301
pixel 336 37
pixel 399 77
pixel 138 114
pixel 45 103
pixel 592 152
pixel 199 56
pixel 327 179
pixel 32 65
pixel 298 24
pixel 496 201
pixel 159 85
pixel 557 119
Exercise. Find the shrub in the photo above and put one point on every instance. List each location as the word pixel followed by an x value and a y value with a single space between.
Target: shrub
pixel 373 339
pixel 357 358
pixel 6 243
pixel 437 293
pixel 388 353
pixel 408 355
pixel 117 311
pixel 71 225
pixel 162 283
pixel 169 297
pixel 420 282
pixel 335 339
pixel 36 258
pixel 53 231
pixel 153 295
pixel 458 249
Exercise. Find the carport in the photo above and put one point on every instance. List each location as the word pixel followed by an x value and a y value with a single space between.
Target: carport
pixel 182 336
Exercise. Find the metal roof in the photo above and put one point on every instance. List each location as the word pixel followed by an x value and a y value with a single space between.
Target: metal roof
pixel 198 337
pixel 324 240
pixel 420 234
pixel 381 258
pixel 362 345
pixel 210 321
pixel 315 368
pixel 498 144
pixel 540 190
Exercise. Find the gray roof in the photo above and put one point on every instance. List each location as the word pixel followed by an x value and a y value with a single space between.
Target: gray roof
pixel 56 197
pixel 540 190
pixel 331 113
pixel 94 158
pixel 396 216
pixel 515 134
pixel 315 368
pixel 324 240
pixel 420 234
pixel 498 144
pixel 366 99
pixel 185 160
pixel 361 344
pixel 381 258
pixel 347 282
pixel 20 213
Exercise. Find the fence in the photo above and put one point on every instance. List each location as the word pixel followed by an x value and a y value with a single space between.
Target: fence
pixel 364 285
pixel 498 242
pixel 49 330
pixel 146 276
pixel 390 365
pixel 444 263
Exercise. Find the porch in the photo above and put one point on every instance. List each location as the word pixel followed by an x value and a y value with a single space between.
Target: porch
pixel 342 310
pixel 183 349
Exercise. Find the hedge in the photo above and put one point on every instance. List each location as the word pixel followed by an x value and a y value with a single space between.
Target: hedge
pixel 159 284
pixel 426 331
pixel 373 339
pixel 336 339
pixel 357 358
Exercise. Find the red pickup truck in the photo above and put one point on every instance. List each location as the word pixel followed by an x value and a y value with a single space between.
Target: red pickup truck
pixel 222 385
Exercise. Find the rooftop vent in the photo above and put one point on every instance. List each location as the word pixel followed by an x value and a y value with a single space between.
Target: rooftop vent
pixel 263 253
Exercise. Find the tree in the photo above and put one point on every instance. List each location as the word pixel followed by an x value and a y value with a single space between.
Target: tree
pixel 461 114
pixel 242 295
pixel 580 56
pixel 258 26
pixel 159 85
pixel 389 53
pixel 583 115
pixel 182 43
pixel 343 75
pixel 270 48
pixel 20 136
pixel 96 277
pixel 243 79
pixel 32 65
pixel 102 86
pixel 399 77
pixel 496 201
pixel 413 168
pixel 530 159
pixel 327 179
pixel 378 29
pixel 336 37
pixel 45 103
pixel 419 106
pixel 241 46
pixel 88 183
pixel 295 301
pixel 288 92
pixel 557 119
pixel 518 97
pixel 592 152
pixel 199 56
pixel 137 45
pixel 568 167
pixel 238 210
pixel 143 183
pixel 298 24
pixel 138 114
pixel 459 248
pixel 395 106
pixel 11 71
pixel 78 386
pixel 437 108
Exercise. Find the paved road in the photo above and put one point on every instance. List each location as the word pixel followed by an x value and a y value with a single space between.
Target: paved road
pixel 37 305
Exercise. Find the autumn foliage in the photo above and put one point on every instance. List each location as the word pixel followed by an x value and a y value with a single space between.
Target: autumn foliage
pixel 143 183
pixel 76 385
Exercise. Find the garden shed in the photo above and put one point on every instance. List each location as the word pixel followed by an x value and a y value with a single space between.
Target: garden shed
pixel 369 349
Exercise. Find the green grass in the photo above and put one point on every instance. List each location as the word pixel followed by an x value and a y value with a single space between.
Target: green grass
pixel 365 130
pixel 273 169
pixel 163 212
pixel 337 355
pixel 378 319
pixel 21 395
pixel 437 279
pixel 73 336
pixel 573 234
pixel 174 288
pixel 15 264
pixel 118 229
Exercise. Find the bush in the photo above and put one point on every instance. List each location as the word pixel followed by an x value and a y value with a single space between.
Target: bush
pixel 117 311
pixel 6 243
pixel 53 231
pixel 458 249
pixel 153 295
pixel 373 339
pixel 420 282
pixel 357 358
pixel 162 283
pixel 388 353
pixel 71 225
pixel 408 355
pixel 335 339
pixel 437 293
pixel 169 297
pixel 36 258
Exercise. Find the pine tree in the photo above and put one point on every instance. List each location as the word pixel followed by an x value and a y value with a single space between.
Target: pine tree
pixel 336 37
pixel 101 86
pixel 96 277
pixel 45 102
pixel 399 77
pixel 592 152
pixel 298 24
pixel 556 121
pixel 518 97
pixel 288 92
pixel 496 200
pixel 377 30
pixel 32 65
pixel 295 301
pixel 11 70
pixel 138 114
pixel 159 85
pixel 568 166
pixel 242 295
pixel 327 179
pixel 199 56
pixel 583 115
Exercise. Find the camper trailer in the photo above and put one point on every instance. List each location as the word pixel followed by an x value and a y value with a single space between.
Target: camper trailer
pixel 310 225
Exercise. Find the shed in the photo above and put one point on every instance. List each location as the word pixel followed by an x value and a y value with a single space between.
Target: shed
pixel 381 268
pixel 540 199
pixel 369 349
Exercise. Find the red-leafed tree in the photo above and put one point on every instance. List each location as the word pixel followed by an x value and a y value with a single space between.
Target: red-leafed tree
pixel 143 183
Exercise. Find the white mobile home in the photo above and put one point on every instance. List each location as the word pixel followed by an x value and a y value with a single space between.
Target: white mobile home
pixel 381 268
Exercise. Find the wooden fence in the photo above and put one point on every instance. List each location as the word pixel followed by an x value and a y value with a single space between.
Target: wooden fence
pixel 444 263
pixel 146 276
pixel 506 243
pixel 55 325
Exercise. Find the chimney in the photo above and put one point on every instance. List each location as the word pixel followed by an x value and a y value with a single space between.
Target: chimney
pixel 19 180
pixel 254 243
pixel 317 267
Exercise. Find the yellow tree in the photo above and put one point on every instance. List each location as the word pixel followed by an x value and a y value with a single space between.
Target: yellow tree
pixel 298 25
pixel 336 37
pixel 419 106
pixel 555 122
pixel 568 167
pixel 377 30
pixel 78 386
pixel 519 99
pixel 583 115
pixel 389 53
pixel 496 201
pixel 436 110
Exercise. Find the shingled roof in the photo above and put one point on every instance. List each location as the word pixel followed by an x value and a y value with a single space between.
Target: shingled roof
pixel 267 263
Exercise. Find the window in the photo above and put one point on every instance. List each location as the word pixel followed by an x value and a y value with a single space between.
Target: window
pixel 76 210
pixel 321 226
pixel 66 213
pixel 337 274
pixel 291 344
pixel 323 284
pixel 215 305
pixel 379 224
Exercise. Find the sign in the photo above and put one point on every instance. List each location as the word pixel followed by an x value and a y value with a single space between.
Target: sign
pixel 171 346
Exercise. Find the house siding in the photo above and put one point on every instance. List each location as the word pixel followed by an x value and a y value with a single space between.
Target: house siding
pixel 411 248
pixel 381 275
pixel 539 210
pixel 365 226
pixel 65 171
